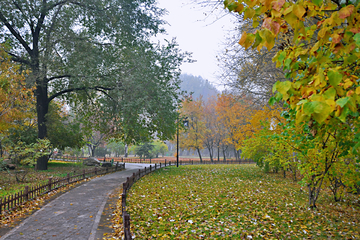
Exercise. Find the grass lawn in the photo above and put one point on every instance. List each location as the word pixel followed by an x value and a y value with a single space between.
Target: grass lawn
pixel 56 169
pixel 234 202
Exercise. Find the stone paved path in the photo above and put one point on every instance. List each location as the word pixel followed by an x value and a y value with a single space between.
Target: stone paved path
pixel 74 215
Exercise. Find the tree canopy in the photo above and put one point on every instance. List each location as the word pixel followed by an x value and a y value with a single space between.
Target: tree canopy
pixel 320 55
pixel 98 57
pixel 321 52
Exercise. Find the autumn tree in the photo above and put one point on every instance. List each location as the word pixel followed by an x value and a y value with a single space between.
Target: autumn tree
pixel 193 136
pixel 16 99
pixel 322 63
pixel 82 51
pixel 232 113
pixel 322 57
pixel 211 134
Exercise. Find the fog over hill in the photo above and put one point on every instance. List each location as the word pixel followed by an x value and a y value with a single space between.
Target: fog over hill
pixel 198 86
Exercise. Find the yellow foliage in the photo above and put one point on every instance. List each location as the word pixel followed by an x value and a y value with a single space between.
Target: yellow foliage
pixel 16 100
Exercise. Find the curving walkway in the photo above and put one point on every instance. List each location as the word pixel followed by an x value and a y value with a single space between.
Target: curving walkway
pixel 75 214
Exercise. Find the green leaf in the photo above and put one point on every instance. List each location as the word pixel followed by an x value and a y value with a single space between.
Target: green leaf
pixel 309 107
pixel 319 110
pixel 322 112
pixel 278 96
pixel 282 56
pixel 232 6
pixel 330 94
pixel 344 114
pixel 334 77
pixel 258 40
pixel 274 86
pixel 317 2
pixel 283 87
pixel 272 100
pixel 342 101
pixel 357 38
pixel 287 63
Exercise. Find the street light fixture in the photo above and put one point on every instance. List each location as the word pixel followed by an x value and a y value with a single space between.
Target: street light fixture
pixel 186 123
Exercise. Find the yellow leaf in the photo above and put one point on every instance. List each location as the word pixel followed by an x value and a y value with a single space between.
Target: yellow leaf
pixel 331 103
pixel 243 38
pixel 299 10
pixel 251 3
pixel 239 8
pixel 348 83
pixel 315 47
pixel 288 10
pixel 357 91
pixel 292 19
pixel 322 32
pixel 275 14
pixel 269 38
pixel 249 13
pixel 247 40
pixel 338 111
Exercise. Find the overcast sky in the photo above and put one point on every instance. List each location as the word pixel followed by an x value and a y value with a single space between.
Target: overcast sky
pixel 199 33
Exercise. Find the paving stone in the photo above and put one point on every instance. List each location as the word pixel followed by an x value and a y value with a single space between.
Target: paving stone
pixel 74 215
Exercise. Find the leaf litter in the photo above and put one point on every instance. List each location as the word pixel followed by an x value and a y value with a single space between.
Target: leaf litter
pixel 231 202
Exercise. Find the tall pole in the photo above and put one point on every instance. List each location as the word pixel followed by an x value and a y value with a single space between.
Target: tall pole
pixel 177 145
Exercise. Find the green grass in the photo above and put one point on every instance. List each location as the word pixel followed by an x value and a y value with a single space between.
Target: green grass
pixel 56 169
pixel 234 202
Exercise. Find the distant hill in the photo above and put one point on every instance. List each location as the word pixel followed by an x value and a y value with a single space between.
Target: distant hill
pixel 198 86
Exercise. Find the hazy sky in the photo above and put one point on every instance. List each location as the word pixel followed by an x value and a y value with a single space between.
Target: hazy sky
pixel 199 33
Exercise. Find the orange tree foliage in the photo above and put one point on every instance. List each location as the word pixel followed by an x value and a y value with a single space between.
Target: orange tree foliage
pixel 241 118
pixel 16 99
pixel 230 111
pixel 211 136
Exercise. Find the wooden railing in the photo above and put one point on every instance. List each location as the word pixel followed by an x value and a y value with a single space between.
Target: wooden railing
pixel 13 201
pixel 136 176
pixel 152 160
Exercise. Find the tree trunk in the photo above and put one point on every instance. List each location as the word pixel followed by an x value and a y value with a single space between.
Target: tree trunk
pixel 224 153
pixel 126 150
pixel 210 153
pixel 314 190
pixel 42 108
pixel 198 150
pixel 91 150
pixel 218 153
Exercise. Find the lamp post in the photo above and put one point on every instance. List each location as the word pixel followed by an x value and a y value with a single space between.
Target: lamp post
pixel 177 146
pixel 185 122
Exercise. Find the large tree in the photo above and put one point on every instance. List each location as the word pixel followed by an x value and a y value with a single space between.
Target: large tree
pixel 322 93
pixel 194 135
pixel 96 52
